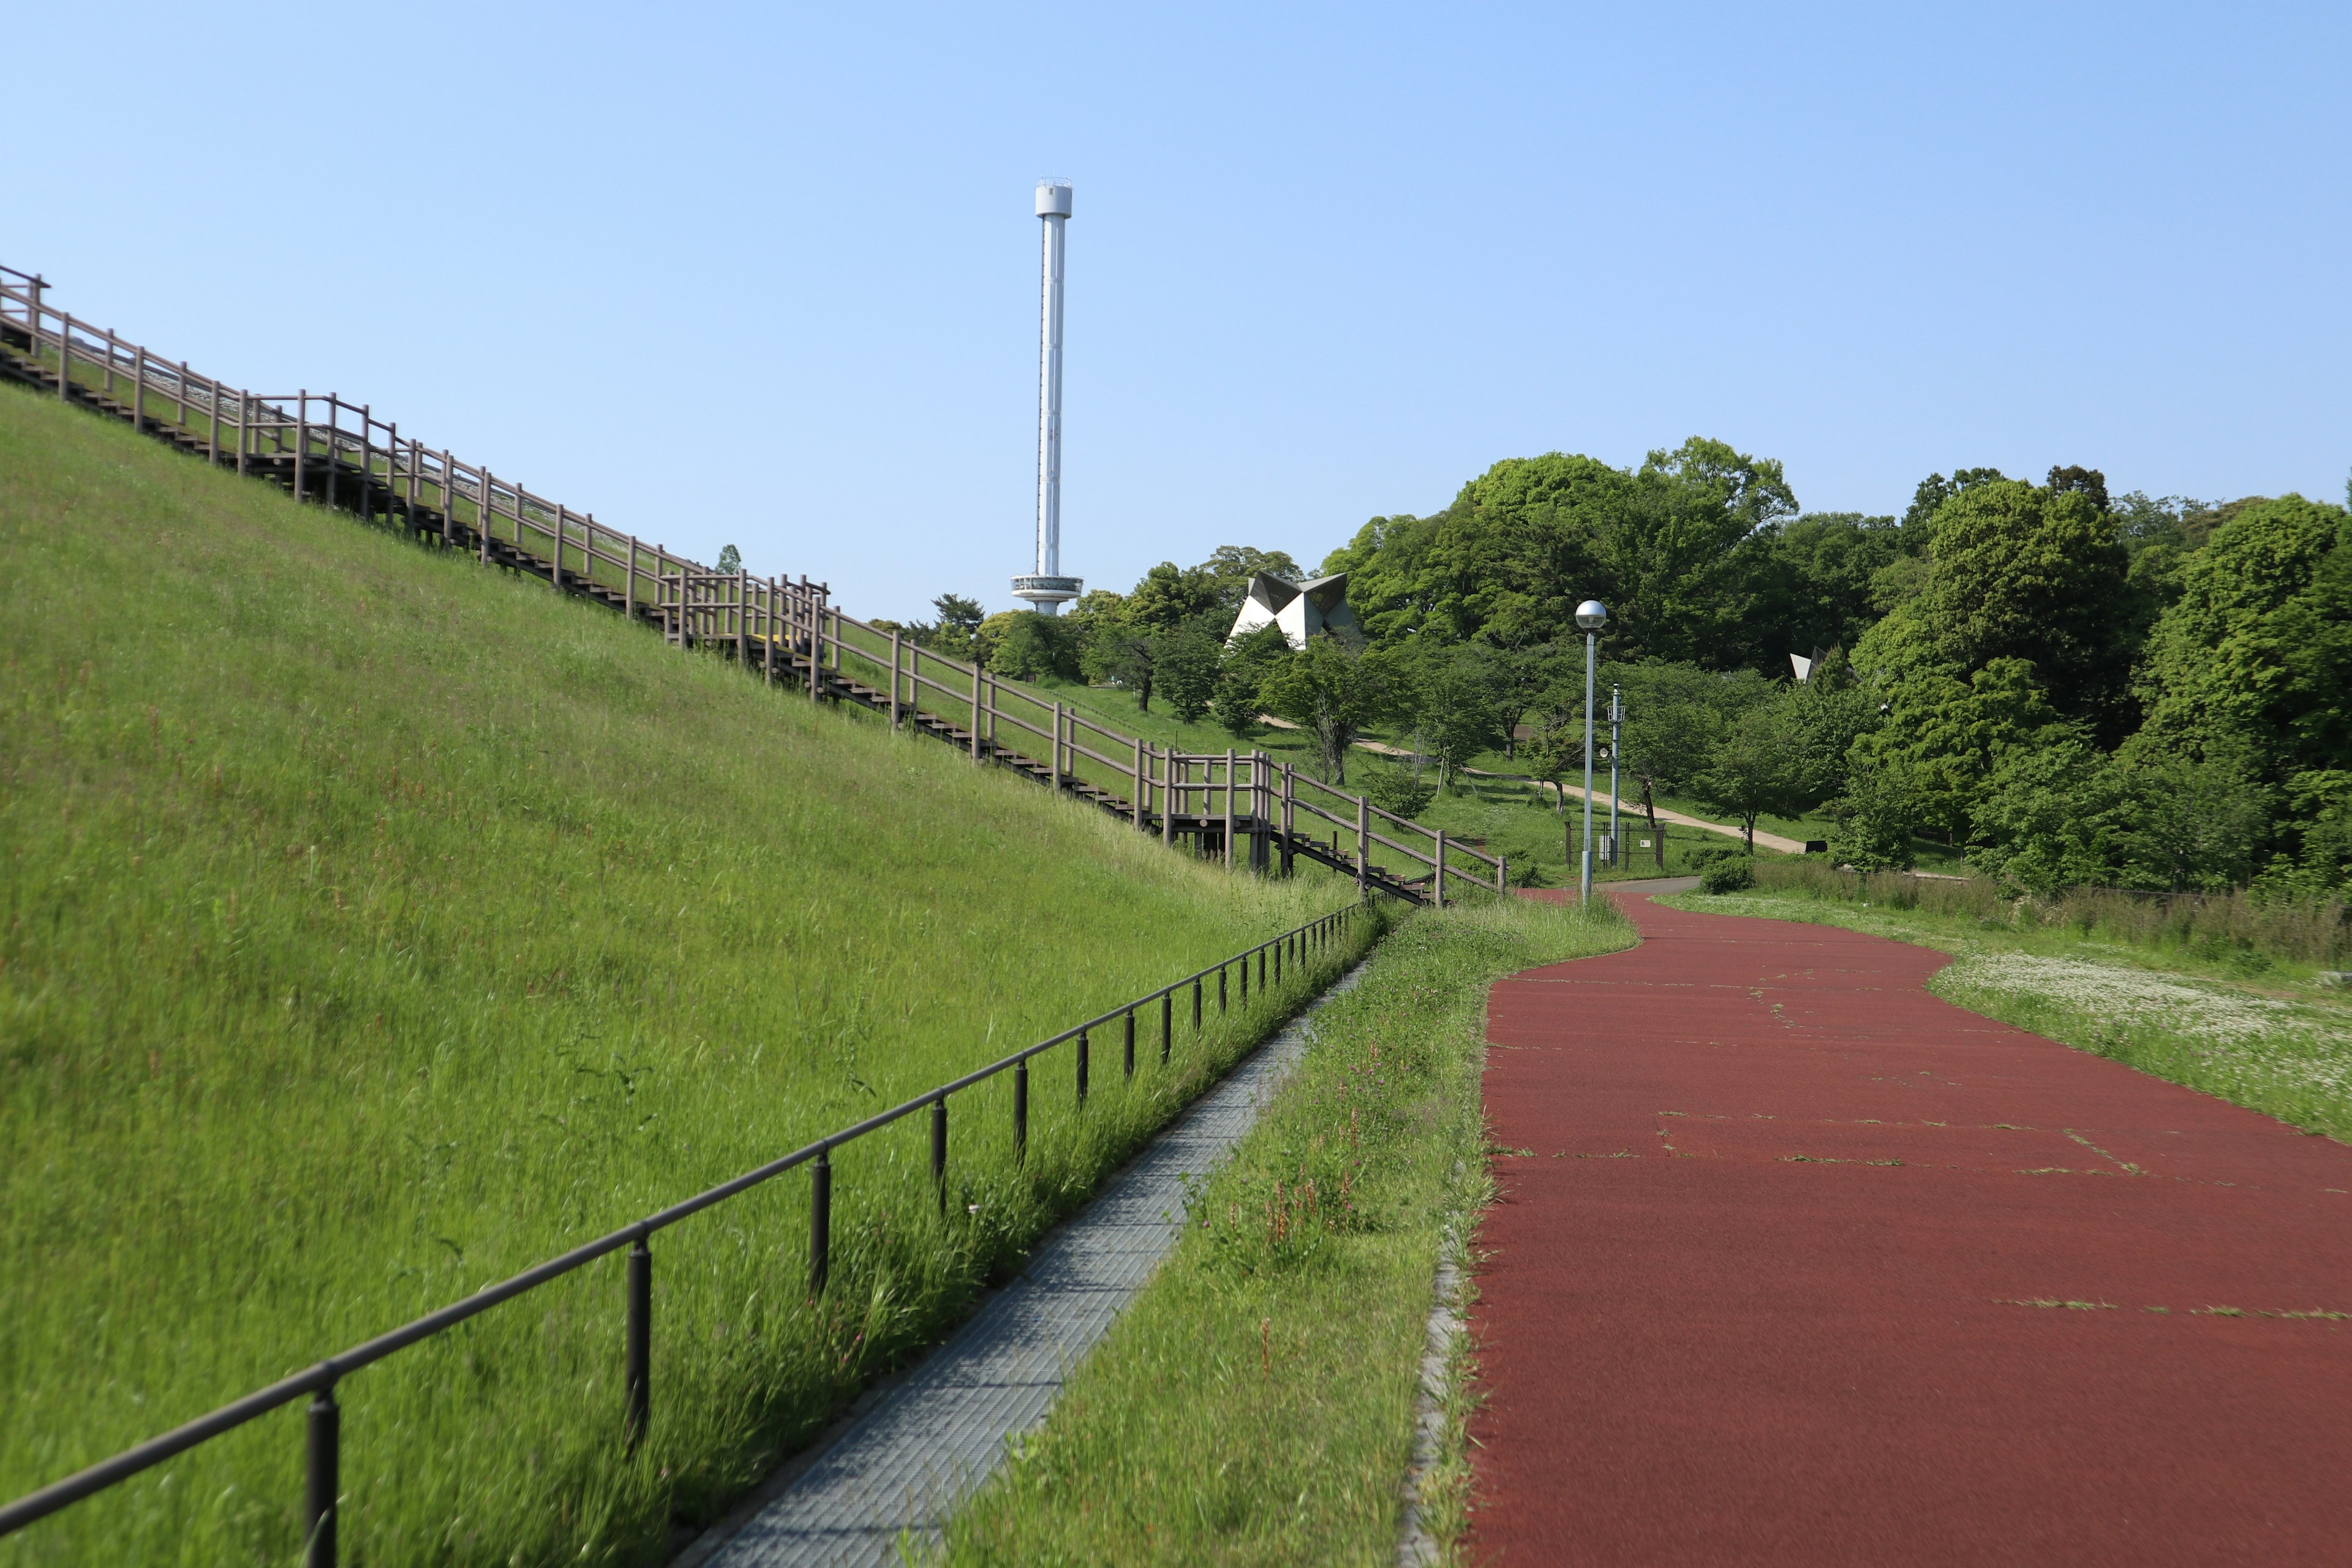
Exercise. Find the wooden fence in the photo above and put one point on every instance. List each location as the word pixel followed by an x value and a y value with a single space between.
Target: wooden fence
pixel 1243 807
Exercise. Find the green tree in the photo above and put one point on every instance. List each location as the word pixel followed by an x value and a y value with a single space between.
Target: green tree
pixel 2256 653
pixel 1188 658
pixel 731 559
pixel 1449 696
pixel 1333 693
pixel 1808 585
pixel 1876 816
pixel 1754 770
pixel 2062 813
pixel 1945 734
pixel 1230 567
pixel 1929 497
pixel 1028 646
pixel 1242 671
pixel 2016 572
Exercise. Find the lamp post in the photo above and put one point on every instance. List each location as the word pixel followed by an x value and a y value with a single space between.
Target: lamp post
pixel 1591 615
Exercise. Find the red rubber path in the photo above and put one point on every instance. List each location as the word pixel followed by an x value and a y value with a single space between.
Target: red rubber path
pixel 1755 1296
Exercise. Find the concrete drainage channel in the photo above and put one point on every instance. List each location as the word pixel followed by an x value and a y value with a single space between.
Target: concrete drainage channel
pixel 910 1455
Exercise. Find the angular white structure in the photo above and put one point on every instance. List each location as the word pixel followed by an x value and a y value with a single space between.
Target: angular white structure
pixel 1300 609
pixel 1046 589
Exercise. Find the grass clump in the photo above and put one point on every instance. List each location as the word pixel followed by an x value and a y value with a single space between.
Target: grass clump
pixel 1256 1404
pixel 372 925
pixel 2239 933
pixel 2266 1043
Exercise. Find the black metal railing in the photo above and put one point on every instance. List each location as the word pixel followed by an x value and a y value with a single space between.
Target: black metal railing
pixel 321 1490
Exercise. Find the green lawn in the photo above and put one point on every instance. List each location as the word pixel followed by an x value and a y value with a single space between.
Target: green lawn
pixel 1256 1404
pixel 374 925
pixel 2219 1017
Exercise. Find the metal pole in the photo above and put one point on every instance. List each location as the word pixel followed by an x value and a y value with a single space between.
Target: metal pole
pixel 1020 1110
pixel 939 1149
pixel 1167 1024
pixel 820 1221
pixel 323 1484
pixel 1616 717
pixel 636 1377
pixel 1130 1042
pixel 1082 1069
pixel 1591 640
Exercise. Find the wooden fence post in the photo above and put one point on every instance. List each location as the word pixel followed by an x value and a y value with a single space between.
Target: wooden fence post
pixel 894 679
pixel 1166 795
pixel 302 440
pixel 1363 844
pixel 976 678
pixel 65 357
pixel 1289 799
pixel 482 518
pixel 1437 882
pixel 1056 749
pixel 1136 800
pixel 1229 809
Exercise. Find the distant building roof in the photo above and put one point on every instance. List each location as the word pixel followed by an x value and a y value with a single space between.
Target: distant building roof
pixel 1300 609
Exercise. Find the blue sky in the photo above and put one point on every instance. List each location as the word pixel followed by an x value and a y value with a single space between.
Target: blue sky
pixel 767 275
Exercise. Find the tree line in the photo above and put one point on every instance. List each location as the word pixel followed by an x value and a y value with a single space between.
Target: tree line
pixel 2073 688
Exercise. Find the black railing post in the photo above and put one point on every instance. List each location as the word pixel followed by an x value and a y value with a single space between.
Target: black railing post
pixel 1130 1042
pixel 1167 1024
pixel 1277 958
pixel 324 1480
pixel 1246 958
pixel 638 1365
pixel 1021 1109
pixel 939 1149
pixel 1082 1069
pixel 1221 988
pixel 820 1221
pixel 1261 969
pixel 1196 1004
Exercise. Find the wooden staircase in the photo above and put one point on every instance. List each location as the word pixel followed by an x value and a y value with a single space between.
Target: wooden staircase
pixel 319 448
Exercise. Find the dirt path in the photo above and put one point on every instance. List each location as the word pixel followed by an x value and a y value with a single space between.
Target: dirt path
pixel 1630 808
pixel 1806 1265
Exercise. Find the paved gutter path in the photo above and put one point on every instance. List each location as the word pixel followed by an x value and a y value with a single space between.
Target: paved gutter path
pixel 930 1441
pixel 1755 1296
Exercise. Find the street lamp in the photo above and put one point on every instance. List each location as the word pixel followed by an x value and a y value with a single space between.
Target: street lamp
pixel 1591 615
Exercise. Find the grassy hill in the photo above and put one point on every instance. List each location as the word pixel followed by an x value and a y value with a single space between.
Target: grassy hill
pixel 372 925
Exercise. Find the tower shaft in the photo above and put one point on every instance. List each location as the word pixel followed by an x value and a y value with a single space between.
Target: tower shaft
pixel 1047 590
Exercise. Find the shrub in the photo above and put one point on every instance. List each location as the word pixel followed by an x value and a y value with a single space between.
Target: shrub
pixel 1394 789
pixel 1729 875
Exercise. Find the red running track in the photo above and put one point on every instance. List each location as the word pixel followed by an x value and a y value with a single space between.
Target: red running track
pixel 1774 1284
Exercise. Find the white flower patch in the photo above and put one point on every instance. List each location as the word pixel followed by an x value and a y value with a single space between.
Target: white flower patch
pixel 2127 996
pixel 2249 1043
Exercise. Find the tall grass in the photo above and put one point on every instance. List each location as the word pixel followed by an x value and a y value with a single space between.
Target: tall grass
pixel 372 925
pixel 2236 929
pixel 1257 1402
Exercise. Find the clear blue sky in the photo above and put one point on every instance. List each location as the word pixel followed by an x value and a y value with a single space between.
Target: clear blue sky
pixel 767 275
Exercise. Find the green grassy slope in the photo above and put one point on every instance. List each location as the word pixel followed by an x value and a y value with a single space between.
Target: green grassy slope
pixel 372 925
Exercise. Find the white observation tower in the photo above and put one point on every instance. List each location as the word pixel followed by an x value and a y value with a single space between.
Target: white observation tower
pixel 1046 589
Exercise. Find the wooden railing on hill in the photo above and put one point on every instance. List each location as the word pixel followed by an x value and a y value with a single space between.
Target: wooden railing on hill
pixel 323 448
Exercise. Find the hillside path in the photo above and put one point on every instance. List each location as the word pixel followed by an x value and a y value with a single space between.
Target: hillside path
pixel 1568 792
pixel 1807 1266
pixel 899 1466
